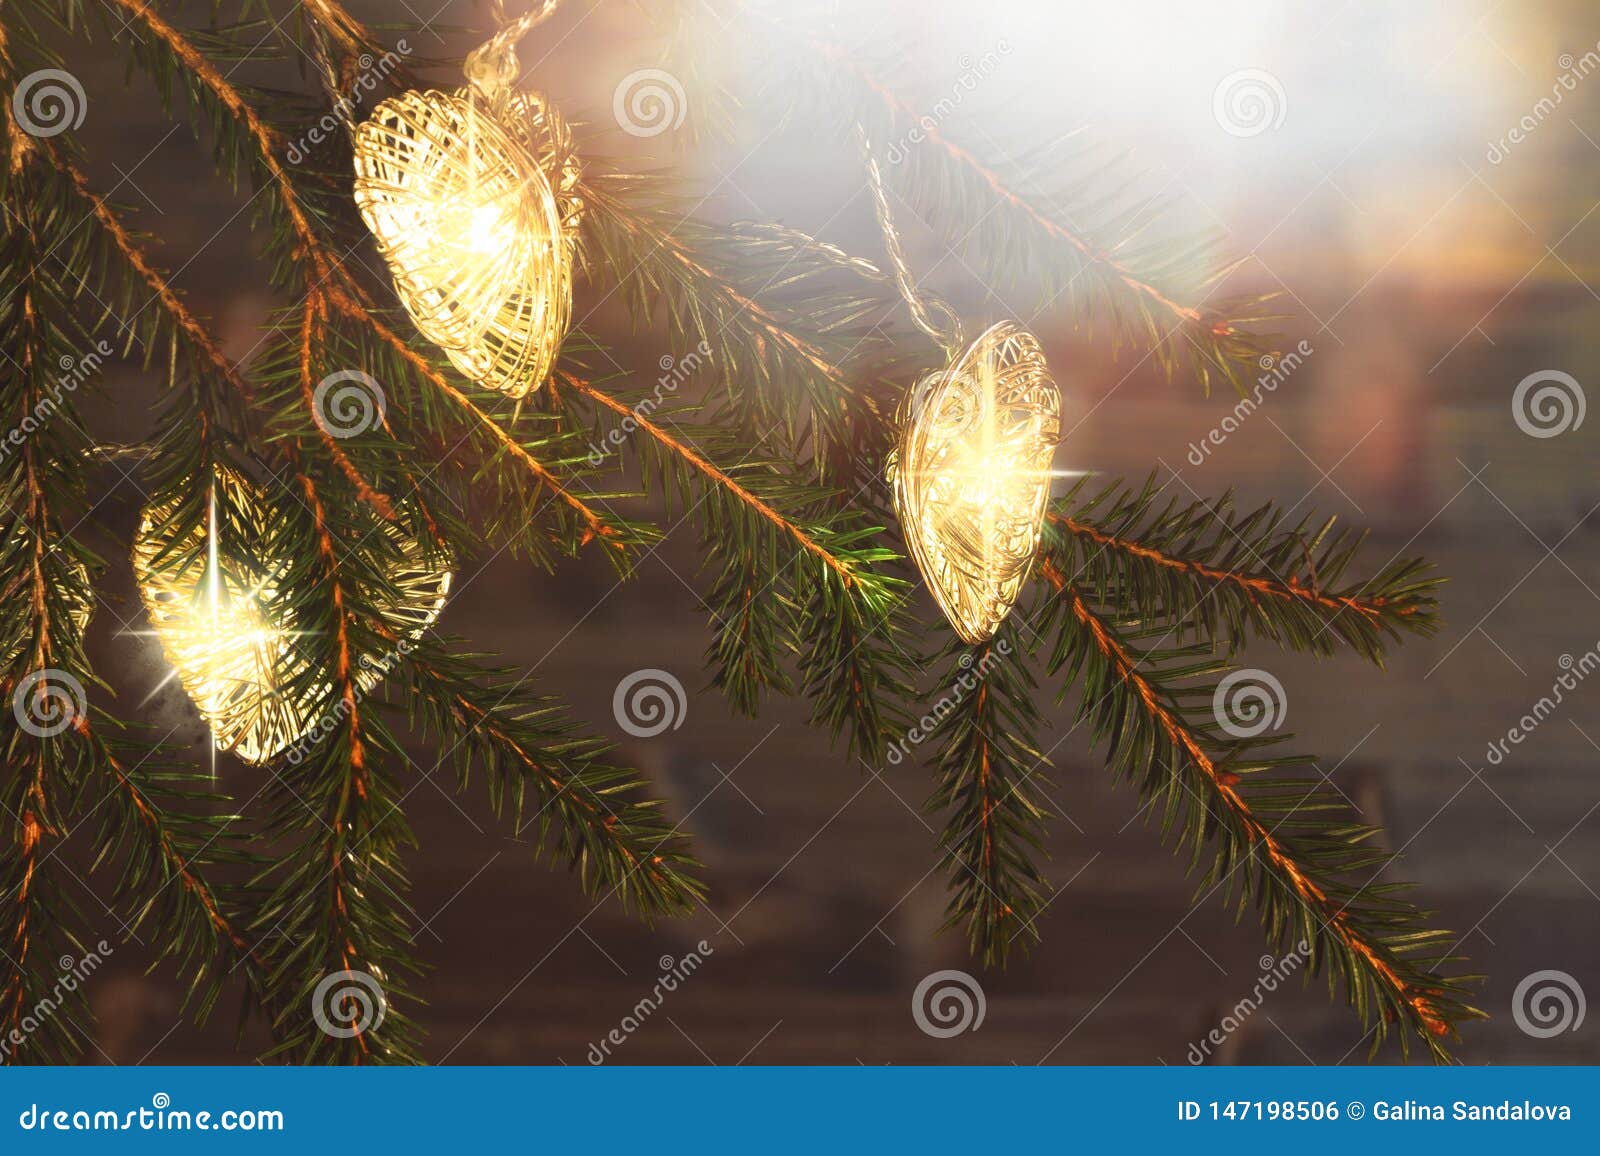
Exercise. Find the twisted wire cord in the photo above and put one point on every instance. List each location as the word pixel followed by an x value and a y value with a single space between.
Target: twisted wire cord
pixel 330 77
pixel 492 66
pixel 770 230
pixel 947 335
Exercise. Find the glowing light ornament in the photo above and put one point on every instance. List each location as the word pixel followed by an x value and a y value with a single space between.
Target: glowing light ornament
pixel 470 195
pixel 971 471
pixel 971 475
pixel 228 633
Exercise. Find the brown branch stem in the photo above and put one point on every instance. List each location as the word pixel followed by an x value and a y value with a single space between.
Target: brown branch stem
pixel 1334 916
pixel 701 464
pixel 1255 584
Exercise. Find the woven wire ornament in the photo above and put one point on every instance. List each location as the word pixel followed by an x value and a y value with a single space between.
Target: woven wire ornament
pixel 230 636
pixel 971 475
pixel 971 471
pixel 470 195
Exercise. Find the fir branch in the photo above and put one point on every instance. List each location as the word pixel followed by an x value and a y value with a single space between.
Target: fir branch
pixel 335 902
pixel 796 568
pixel 700 464
pixel 1278 841
pixel 776 369
pixel 151 829
pixel 1087 247
pixel 313 317
pixel 597 527
pixel 267 142
pixel 1219 574
pixel 589 812
pixel 988 769
pixel 44 576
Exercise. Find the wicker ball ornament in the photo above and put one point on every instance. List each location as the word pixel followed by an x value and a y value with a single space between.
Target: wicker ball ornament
pixel 472 203
pixel 214 602
pixel 971 475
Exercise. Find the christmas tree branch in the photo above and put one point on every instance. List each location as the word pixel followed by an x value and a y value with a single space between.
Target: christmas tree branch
pixel 1218 573
pixel 44 578
pixel 597 527
pixel 335 903
pixel 798 570
pixel 1086 248
pixel 325 267
pixel 313 318
pixel 965 159
pixel 988 769
pixel 666 263
pixel 149 829
pixel 1276 844
pixel 700 464
pixel 589 812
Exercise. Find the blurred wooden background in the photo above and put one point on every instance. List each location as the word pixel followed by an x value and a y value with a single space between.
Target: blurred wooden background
pixel 1429 282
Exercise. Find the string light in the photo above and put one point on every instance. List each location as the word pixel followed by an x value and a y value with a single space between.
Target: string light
pixel 971 471
pixel 470 195
pixel 228 632
pixel 971 475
